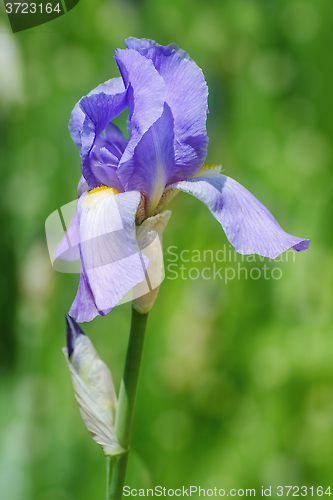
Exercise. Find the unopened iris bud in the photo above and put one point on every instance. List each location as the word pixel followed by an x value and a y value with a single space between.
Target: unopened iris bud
pixel 149 236
pixel 93 388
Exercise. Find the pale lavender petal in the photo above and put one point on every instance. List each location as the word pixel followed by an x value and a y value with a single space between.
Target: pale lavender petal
pixel 186 94
pixel 111 261
pixel 76 124
pixel 247 223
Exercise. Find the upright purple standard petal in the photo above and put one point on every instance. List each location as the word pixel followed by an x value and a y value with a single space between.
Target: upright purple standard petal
pixel 186 94
pixel 153 160
pixel 248 225
pixel 146 98
pixel 111 261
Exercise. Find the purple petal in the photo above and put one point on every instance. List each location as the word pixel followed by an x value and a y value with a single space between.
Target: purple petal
pixel 146 97
pixel 115 137
pixel 111 261
pixel 92 115
pixel 99 109
pixel 113 86
pixel 248 225
pixel 150 167
pixel 76 124
pixel 84 307
pixel 106 174
pixel 186 94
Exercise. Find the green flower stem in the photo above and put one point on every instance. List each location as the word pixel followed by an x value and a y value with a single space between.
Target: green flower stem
pixel 116 468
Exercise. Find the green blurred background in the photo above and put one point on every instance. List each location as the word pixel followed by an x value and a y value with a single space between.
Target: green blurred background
pixel 236 387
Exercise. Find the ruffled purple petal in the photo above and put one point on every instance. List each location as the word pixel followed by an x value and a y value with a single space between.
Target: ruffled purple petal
pixel 99 109
pixel 111 261
pixel 151 164
pixel 248 225
pixel 91 116
pixel 146 98
pixel 186 94
pixel 113 86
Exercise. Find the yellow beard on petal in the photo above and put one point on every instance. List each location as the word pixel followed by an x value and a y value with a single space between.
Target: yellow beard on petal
pixel 96 194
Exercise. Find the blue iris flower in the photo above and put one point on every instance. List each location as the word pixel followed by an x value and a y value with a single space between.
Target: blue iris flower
pixel 127 181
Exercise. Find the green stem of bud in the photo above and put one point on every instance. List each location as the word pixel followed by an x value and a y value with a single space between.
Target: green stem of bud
pixel 116 467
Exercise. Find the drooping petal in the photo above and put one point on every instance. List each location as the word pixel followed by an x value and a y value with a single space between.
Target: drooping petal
pixel 151 164
pixel 186 94
pixel 113 86
pixel 111 260
pixel 84 307
pixel 146 97
pixel 247 223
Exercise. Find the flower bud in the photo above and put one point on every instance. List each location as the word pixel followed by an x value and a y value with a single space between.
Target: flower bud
pixel 93 388
pixel 149 236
